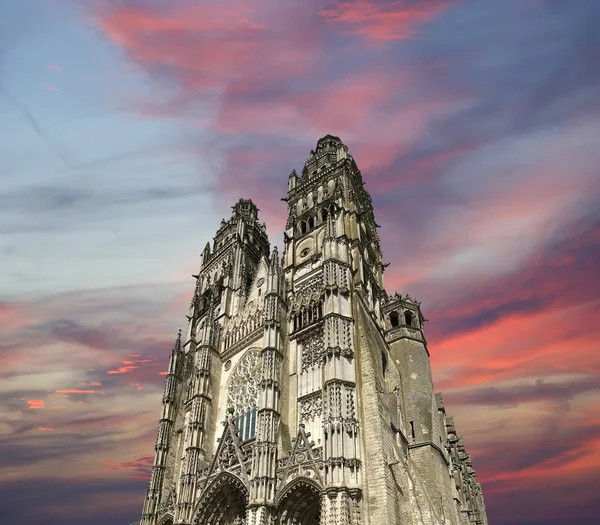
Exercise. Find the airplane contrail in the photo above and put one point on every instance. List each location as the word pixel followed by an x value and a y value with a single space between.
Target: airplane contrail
pixel 33 123
pixel 20 106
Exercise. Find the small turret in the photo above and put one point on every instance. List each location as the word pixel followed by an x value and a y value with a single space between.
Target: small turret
pixel 245 209
pixel 205 253
pixel 293 180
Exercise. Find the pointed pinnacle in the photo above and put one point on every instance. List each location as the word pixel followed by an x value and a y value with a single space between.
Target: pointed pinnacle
pixel 177 345
pixel 275 258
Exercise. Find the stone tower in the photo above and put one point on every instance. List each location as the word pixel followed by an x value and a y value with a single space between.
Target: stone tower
pixel 301 393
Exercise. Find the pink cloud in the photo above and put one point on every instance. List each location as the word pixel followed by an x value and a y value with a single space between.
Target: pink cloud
pixel 519 345
pixel 79 391
pixel 129 365
pixel 384 20
pixel 141 467
pixel 55 68
pixel 209 44
pixel 35 404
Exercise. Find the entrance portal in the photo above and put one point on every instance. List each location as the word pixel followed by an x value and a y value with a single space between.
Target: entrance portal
pixel 223 503
pixel 300 503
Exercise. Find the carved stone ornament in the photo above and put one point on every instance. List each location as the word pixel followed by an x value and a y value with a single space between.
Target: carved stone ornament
pixel 311 406
pixel 312 354
pixel 242 393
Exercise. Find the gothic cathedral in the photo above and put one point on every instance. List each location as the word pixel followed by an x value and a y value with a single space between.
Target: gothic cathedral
pixel 301 392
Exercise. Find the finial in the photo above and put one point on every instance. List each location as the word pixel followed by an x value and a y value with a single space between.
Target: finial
pixel 230 412
pixel 177 345
pixel 275 258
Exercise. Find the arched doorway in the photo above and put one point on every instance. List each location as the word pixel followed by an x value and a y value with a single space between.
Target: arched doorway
pixel 299 503
pixel 166 520
pixel 223 502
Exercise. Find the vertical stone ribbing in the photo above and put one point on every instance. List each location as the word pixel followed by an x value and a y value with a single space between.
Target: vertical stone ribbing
pixel 264 453
pixel 341 452
pixel 154 492
pixel 197 406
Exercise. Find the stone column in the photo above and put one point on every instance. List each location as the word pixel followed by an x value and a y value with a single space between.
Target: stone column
pixel 341 452
pixel 153 495
pixel 264 452
pixel 198 405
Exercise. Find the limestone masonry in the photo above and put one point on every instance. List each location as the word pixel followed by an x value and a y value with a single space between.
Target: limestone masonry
pixel 301 392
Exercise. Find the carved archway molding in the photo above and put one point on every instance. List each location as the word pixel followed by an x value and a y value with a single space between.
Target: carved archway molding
pixel 226 491
pixel 167 519
pixel 296 483
pixel 299 502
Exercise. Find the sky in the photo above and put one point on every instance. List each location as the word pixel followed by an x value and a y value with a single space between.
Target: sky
pixel 129 128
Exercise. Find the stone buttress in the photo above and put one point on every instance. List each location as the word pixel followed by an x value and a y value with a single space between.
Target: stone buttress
pixel 165 428
pixel 263 482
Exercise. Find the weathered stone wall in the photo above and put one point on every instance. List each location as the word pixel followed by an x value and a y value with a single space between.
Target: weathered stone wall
pixel 382 501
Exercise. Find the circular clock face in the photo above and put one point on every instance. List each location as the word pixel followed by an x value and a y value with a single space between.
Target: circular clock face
pixel 260 282
pixel 305 252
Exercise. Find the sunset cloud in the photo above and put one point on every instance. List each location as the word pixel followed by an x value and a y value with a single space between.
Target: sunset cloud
pixel 385 20
pixel 475 125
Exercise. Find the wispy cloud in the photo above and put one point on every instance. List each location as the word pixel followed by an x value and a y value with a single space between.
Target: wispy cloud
pixel 476 127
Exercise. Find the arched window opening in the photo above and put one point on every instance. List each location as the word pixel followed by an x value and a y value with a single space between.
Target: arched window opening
pixel 324 214
pixel 311 223
pixel 246 425
pixel 303 227
pixel 408 317
pixel 309 315
pixel 384 362
pixel 394 319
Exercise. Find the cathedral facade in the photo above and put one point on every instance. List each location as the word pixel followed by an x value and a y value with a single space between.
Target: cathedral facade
pixel 301 392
